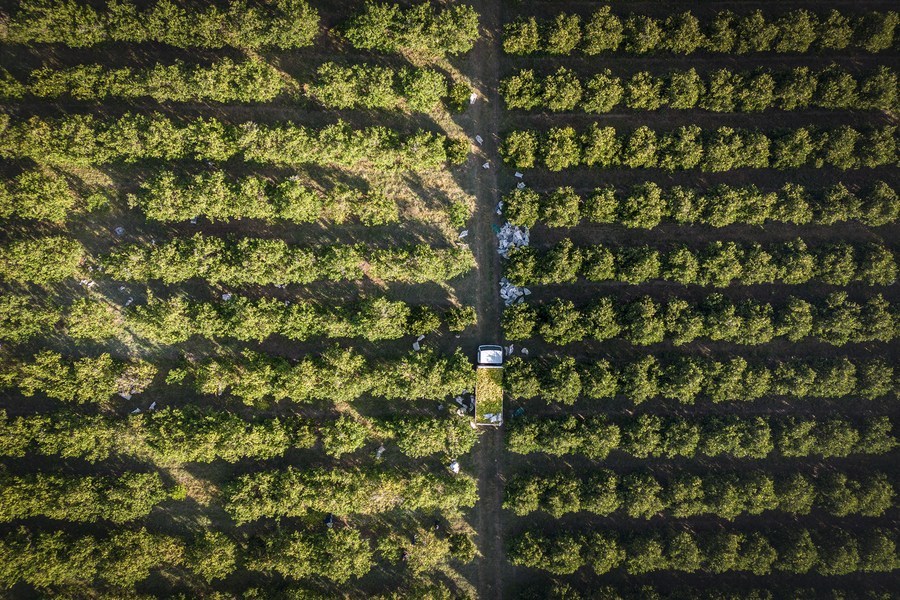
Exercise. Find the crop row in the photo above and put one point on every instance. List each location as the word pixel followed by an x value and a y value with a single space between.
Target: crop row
pixel 294 493
pixel 282 24
pixel 641 495
pixel 690 147
pixel 337 374
pixel 190 434
pixel 252 80
pixel 223 81
pixel 720 91
pixel 118 499
pixel 245 261
pixel 88 379
pixel 719 264
pixel 177 319
pixel 42 196
pixel 277 24
pixel 652 436
pixel 647 205
pixel 792 550
pixel 251 497
pixel 646 321
pixel 54 560
pixel 81 140
pixel 707 591
pixel 168 197
pixel 370 86
pixel 264 261
pixel 688 378
pixel 682 33
pixel 420 29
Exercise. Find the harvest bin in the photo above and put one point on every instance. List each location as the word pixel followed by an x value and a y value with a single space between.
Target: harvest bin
pixel 489 386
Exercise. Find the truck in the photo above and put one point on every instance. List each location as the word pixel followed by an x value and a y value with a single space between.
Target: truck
pixel 489 386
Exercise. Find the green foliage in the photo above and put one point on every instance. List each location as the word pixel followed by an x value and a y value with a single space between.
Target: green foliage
pixel 118 499
pixel 647 205
pixel 717 265
pixel 223 81
pixel 50 560
pixel 80 140
pixel 213 556
pixel 45 259
pixel 284 24
pixel 560 149
pixel 340 375
pixel 37 196
pixel 293 492
pixel 370 86
pixel 836 321
pixel 418 437
pixel 169 198
pixel 683 495
pixel 682 33
pixel 460 317
pixel 268 261
pixel 562 34
pixel 723 149
pixel 81 381
pixel 420 28
pixel 830 551
pixel 190 434
pixel 178 319
pixel 335 554
pixel 92 438
pixel 520 148
pixel 20 319
pixel 648 436
pixel 521 36
pixel 721 91
pixel 343 436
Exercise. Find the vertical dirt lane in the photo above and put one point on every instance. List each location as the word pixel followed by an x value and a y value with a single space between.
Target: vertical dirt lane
pixel 485 115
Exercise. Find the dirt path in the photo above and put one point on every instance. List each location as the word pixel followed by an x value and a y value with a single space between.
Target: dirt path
pixel 484 120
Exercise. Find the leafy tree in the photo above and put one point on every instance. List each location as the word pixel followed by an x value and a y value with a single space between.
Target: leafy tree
pixel 683 33
pixel 521 90
pixel 640 150
pixel 343 436
pixel 561 208
pixel 563 34
pixel 603 32
pixel 41 260
pixel 560 148
pixel 797 31
pixel 335 554
pixel 603 92
pixel 601 146
pixel 754 33
pixel 644 91
pixel 519 149
pixel 834 32
pixel 685 89
pixel 82 499
pixel 561 90
pixel 642 34
pixel 420 28
pixel 285 24
pixel 521 36
pixel 212 556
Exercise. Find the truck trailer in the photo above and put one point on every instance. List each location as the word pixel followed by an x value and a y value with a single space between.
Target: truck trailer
pixel 489 386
